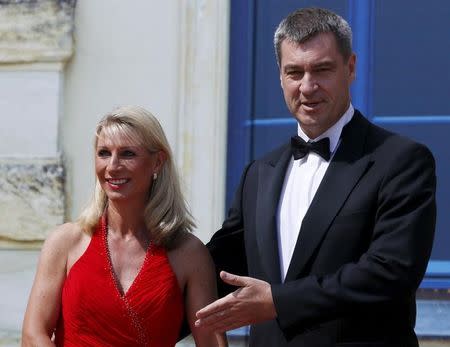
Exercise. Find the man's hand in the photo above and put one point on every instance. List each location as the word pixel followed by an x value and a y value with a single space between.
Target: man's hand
pixel 249 304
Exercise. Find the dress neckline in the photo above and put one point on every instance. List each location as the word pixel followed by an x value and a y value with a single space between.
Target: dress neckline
pixel 118 286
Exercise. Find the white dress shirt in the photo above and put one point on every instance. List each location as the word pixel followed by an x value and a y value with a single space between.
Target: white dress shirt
pixel 303 177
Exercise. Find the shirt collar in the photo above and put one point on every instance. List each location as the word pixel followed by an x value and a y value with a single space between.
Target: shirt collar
pixel 334 132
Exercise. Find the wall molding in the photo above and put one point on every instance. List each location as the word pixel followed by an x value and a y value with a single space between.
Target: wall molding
pixel 202 109
pixel 36 40
pixel 36 31
pixel 31 199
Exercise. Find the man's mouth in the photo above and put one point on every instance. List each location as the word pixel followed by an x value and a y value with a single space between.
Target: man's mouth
pixel 310 105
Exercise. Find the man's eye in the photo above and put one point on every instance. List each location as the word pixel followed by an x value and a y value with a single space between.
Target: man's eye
pixel 324 69
pixel 295 74
pixel 103 153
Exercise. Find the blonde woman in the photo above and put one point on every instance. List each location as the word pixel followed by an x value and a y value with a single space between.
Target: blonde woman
pixel 127 272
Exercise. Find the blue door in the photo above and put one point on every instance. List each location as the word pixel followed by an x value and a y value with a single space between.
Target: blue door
pixel 403 84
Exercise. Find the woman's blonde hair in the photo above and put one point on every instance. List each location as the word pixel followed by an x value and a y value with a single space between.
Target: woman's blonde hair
pixel 166 214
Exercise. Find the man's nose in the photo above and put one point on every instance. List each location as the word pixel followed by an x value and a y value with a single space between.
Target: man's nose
pixel 308 84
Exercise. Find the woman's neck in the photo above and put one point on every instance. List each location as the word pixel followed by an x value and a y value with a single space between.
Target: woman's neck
pixel 125 219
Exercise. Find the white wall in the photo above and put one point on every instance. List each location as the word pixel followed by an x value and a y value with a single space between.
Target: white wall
pixel 40 89
pixel 168 56
pixel 134 52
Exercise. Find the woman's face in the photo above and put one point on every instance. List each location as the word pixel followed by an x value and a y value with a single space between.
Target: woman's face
pixel 125 168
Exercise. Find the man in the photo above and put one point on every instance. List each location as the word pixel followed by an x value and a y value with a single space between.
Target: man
pixel 335 235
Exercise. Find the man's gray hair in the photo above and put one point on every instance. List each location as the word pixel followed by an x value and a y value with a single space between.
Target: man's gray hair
pixel 301 25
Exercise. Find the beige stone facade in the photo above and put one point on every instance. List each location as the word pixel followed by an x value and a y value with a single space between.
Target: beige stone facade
pixel 33 31
pixel 31 199
pixel 35 41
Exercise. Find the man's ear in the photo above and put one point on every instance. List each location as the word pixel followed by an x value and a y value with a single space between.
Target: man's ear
pixel 352 67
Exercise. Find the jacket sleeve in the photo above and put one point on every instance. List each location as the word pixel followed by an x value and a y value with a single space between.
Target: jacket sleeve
pixel 392 267
pixel 227 246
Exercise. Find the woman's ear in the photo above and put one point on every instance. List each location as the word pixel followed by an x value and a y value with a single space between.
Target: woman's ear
pixel 161 158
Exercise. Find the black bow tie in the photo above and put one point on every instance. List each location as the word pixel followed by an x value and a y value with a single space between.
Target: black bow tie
pixel 300 147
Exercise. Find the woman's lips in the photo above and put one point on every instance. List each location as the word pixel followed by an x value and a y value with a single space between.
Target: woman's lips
pixel 116 183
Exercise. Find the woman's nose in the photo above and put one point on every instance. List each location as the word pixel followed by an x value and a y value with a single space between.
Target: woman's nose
pixel 114 161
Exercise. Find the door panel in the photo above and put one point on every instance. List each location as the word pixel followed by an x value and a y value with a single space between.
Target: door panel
pixel 403 79
pixel 411 93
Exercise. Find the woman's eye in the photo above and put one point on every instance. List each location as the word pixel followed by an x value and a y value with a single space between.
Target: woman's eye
pixel 128 153
pixel 103 153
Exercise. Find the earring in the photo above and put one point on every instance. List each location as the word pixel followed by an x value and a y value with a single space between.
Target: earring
pixel 155 176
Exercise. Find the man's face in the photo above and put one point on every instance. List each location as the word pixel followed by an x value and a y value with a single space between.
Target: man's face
pixel 316 80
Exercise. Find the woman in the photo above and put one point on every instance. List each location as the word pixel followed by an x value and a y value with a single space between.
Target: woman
pixel 128 270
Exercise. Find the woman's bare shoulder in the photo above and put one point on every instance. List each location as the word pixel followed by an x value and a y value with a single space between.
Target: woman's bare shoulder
pixel 65 236
pixel 65 241
pixel 191 252
pixel 191 244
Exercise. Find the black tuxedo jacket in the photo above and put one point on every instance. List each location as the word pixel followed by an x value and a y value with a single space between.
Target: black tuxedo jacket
pixel 362 249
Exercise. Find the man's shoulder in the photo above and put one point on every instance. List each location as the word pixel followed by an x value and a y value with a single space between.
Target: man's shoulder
pixel 378 134
pixel 390 144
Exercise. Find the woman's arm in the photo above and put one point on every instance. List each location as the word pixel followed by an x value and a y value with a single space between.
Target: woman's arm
pixel 200 289
pixel 43 307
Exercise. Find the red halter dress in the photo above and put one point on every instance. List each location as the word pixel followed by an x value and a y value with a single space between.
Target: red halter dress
pixel 94 312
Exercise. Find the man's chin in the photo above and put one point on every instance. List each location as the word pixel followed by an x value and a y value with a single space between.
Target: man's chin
pixel 307 119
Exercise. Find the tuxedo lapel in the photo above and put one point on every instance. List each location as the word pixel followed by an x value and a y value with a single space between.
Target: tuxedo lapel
pixel 344 172
pixel 270 182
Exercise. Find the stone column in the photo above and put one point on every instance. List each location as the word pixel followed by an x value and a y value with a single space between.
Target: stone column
pixel 202 105
pixel 35 42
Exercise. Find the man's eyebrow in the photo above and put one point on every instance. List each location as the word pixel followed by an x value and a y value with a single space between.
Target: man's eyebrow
pixel 291 67
pixel 322 64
